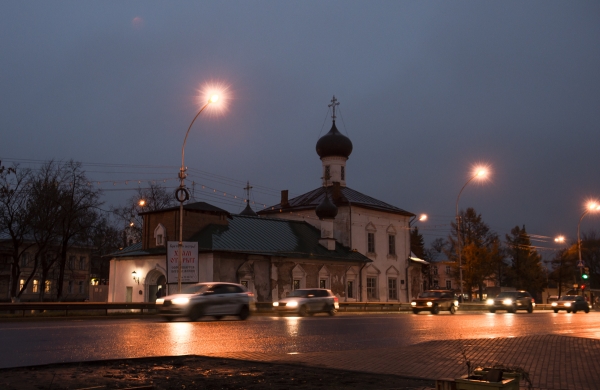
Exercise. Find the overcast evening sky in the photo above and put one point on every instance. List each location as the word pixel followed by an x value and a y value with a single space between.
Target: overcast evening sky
pixel 427 89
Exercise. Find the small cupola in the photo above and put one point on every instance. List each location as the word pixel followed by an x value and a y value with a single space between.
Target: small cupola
pixel 248 210
pixel 326 211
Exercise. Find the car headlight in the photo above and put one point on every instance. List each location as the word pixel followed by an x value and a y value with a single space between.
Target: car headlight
pixel 568 304
pixel 554 304
pixel 180 301
pixel 292 304
pixel 489 301
pixel 413 303
pixel 507 301
pixel 160 301
pixel 456 303
pixel 275 304
pixel 429 303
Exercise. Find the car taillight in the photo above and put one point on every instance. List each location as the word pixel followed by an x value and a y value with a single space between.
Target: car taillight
pixel 250 294
pixel 335 299
pixel 532 300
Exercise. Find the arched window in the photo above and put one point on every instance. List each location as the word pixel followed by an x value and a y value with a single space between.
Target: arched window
pixel 160 234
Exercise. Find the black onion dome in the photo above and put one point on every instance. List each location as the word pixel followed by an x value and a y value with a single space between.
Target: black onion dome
pixel 334 143
pixel 326 209
pixel 248 211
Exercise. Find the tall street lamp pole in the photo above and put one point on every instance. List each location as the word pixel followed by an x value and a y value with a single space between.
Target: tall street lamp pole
pixel 480 173
pixel 182 194
pixel 591 207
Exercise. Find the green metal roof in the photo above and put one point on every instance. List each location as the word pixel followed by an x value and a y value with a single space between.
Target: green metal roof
pixel 271 237
pixel 136 250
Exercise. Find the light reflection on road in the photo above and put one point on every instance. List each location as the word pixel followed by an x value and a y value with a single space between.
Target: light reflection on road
pixel 75 340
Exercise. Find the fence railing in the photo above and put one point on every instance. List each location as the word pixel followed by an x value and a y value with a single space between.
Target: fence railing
pixel 70 308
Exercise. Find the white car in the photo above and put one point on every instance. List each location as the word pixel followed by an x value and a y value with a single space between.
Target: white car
pixel 215 299
pixel 308 301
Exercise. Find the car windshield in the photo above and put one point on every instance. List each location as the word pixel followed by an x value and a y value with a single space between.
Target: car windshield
pixel 507 294
pixel 430 294
pixel 195 289
pixel 568 298
pixel 299 293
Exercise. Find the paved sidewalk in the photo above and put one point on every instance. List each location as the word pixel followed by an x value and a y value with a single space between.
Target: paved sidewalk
pixel 552 361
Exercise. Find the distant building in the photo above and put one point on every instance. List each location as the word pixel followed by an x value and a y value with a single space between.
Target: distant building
pixel 76 275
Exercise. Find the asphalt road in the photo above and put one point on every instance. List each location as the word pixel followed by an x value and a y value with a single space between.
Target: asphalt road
pixel 72 340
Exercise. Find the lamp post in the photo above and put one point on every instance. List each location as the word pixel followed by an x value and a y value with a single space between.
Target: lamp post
pixel 182 194
pixel 480 173
pixel 591 207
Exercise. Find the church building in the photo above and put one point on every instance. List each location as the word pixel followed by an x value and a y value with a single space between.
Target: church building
pixel 332 237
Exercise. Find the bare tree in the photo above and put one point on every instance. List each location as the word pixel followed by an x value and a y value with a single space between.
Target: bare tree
pixel 151 198
pixel 15 221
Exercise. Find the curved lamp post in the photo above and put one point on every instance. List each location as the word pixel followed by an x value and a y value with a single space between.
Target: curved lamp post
pixel 591 207
pixel 181 194
pixel 480 173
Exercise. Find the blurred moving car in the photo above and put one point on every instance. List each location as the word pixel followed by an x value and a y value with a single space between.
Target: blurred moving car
pixel 511 301
pixel 552 298
pixel 435 300
pixel 571 303
pixel 308 301
pixel 215 299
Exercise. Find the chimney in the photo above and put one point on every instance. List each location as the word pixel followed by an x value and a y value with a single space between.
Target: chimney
pixel 284 198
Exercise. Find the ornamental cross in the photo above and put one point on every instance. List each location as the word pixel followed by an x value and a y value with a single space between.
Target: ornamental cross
pixel 248 188
pixel 334 103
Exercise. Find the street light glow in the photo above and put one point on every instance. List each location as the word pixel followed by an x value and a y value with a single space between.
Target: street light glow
pixel 423 217
pixel 560 239
pixel 142 202
pixel 593 205
pixel 215 96
pixel 481 172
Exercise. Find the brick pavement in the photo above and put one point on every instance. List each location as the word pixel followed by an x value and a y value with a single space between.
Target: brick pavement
pixel 552 361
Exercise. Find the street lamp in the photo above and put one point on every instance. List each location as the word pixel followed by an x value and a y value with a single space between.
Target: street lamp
pixel 591 207
pixel 182 194
pixel 479 173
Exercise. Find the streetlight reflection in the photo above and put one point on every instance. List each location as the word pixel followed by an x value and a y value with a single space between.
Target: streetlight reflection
pixel 178 334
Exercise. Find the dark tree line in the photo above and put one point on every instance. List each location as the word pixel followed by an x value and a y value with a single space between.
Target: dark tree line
pixel 484 257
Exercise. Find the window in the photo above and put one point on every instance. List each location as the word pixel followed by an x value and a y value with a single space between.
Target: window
pixel 371 288
pixel 371 242
pixel 447 270
pixel 244 283
pixel 81 288
pixel 70 287
pixel 327 172
pixel 24 259
pixel 350 289
pixel 36 286
pixel 393 288
pixel 449 284
pixel 343 173
pixel 436 283
pixel 322 283
pixel 392 244
pixel 160 232
pixel 296 284
pixel 71 263
pixel 159 239
pixel 21 284
pixel 47 286
pixel 435 270
pixel 82 262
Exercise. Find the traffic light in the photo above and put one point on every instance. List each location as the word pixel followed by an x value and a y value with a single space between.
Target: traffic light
pixel 582 287
pixel 586 273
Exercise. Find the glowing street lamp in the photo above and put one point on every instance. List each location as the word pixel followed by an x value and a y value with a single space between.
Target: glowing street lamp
pixel 479 173
pixel 423 217
pixel 591 207
pixel 182 194
pixel 559 239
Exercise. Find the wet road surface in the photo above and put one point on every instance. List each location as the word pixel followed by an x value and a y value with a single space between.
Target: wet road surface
pixel 70 340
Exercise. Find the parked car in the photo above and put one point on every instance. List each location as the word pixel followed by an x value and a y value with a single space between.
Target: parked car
pixel 208 299
pixel 511 301
pixel 308 301
pixel 435 300
pixel 571 303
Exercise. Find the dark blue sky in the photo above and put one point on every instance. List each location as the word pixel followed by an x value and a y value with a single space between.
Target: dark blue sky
pixel 427 90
